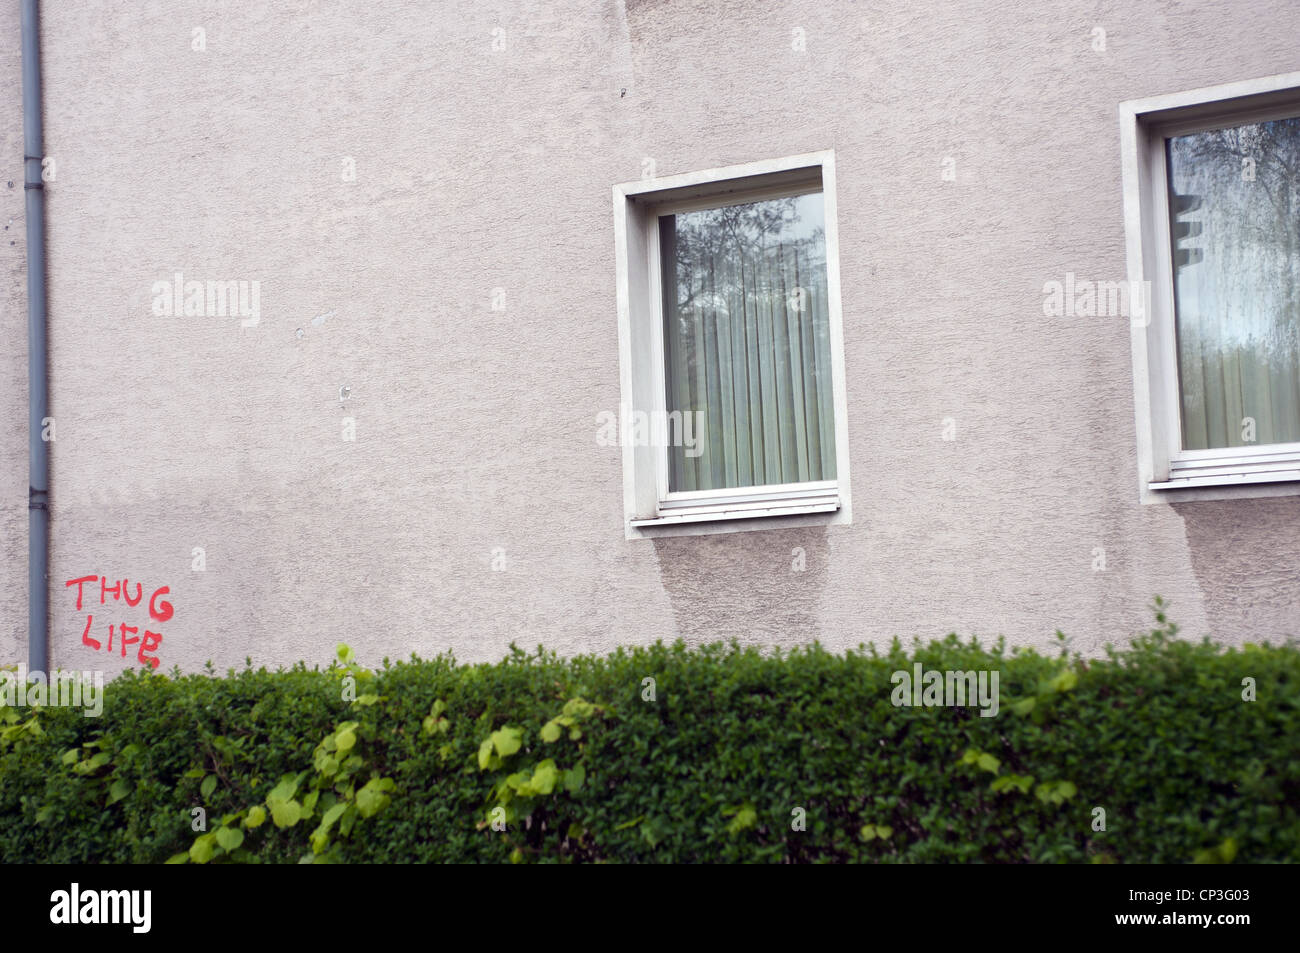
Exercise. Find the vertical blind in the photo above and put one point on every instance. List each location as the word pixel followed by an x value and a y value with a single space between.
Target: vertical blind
pixel 747 341
pixel 1235 211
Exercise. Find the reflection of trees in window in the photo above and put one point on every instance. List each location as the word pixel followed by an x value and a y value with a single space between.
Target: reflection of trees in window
pixel 748 342
pixel 1239 306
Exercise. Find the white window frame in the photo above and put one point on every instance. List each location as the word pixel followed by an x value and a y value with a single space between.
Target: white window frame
pixel 649 508
pixel 1167 472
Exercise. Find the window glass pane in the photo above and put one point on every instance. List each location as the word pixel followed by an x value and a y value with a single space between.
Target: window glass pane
pixel 1235 224
pixel 747 336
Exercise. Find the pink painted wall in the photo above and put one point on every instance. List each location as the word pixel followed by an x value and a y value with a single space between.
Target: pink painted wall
pixel 475 430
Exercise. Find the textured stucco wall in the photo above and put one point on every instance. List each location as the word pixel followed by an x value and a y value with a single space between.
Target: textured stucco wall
pixel 13 347
pixel 479 169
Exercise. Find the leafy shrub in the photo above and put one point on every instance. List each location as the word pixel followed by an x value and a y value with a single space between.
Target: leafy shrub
pixel 716 754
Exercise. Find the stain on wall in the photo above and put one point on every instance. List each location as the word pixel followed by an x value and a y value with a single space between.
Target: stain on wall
pixel 1239 591
pixel 720 587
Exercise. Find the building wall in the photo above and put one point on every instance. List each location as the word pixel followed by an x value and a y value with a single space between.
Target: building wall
pixel 475 430
pixel 13 355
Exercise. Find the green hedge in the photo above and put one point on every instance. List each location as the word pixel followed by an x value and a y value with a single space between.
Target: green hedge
pixel 584 766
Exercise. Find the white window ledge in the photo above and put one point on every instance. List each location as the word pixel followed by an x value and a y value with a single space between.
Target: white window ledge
pixel 737 512
pixel 1275 463
pixel 1227 479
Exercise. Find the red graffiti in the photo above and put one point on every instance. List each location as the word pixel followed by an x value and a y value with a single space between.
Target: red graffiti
pixel 85 636
pixel 78 583
pixel 160 610
pixel 164 611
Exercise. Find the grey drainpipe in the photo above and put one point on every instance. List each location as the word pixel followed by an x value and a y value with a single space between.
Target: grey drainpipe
pixel 38 502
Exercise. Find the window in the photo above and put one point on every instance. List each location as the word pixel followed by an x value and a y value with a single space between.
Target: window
pixel 732 378
pixel 1212 215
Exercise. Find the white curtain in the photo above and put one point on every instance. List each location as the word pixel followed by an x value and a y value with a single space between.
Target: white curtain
pixel 1237 283
pixel 747 341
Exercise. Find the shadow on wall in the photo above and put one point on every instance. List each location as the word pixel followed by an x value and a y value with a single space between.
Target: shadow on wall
pixel 762 587
pixel 1246 599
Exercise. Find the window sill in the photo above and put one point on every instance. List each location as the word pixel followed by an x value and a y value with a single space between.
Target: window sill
pixel 736 512
pixel 1226 479
pixel 1278 463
